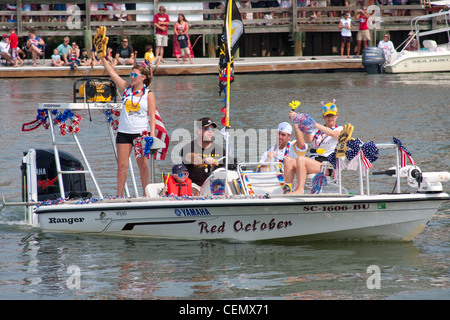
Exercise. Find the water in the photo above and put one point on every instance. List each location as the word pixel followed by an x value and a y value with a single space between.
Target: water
pixel 413 108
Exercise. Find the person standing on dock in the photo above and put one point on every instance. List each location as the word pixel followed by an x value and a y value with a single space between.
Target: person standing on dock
pixel 345 24
pixel 184 46
pixel 161 22
pixel 363 35
pixel 14 46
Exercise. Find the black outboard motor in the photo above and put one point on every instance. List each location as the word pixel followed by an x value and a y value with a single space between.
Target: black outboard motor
pixel 47 178
pixel 373 59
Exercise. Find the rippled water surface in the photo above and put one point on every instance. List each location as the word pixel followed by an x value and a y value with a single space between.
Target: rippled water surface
pixel 413 108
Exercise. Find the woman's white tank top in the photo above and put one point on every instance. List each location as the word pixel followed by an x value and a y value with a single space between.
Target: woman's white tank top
pixel 134 114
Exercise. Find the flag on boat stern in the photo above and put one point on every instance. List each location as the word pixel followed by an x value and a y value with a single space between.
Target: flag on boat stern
pixel 161 133
pixel 228 48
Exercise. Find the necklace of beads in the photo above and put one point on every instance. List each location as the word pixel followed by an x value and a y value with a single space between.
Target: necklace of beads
pixel 319 134
pixel 131 93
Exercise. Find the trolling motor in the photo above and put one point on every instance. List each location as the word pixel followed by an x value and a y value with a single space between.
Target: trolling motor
pixel 423 181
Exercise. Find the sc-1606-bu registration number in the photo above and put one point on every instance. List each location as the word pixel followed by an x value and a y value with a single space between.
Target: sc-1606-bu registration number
pixel 337 208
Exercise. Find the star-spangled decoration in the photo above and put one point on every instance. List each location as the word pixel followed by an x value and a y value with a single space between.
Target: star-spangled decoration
pixel 368 152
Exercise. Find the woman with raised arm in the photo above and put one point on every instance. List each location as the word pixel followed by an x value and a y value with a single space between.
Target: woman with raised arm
pixel 323 137
pixel 136 116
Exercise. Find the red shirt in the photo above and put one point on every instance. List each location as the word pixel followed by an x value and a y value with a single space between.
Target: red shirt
pixel 14 40
pixel 363 22
pixel 161 18
pixel 179 189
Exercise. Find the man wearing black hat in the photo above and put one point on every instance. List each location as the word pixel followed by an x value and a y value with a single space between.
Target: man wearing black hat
pixel 200 155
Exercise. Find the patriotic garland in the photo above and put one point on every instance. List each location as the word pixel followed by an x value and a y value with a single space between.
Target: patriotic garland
pixel 404 153
pixel 41 119
pixel 60 120
pixel 95 200
pixel 148 142
pixel 112 117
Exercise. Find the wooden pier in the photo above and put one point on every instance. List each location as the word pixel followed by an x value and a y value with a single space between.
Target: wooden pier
pixel 269 31
pixel 200 66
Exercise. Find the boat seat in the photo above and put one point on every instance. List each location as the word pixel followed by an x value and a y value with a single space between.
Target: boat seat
pixel 431 45
pixel 153 190
pixel 261 183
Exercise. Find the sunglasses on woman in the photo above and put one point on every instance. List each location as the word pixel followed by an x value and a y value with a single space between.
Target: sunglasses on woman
pixel 135 75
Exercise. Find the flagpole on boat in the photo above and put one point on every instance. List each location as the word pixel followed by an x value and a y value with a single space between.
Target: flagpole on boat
pixel 227 107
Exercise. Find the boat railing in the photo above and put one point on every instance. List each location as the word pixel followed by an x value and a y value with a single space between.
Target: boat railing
pixel 415 25
pixel 364 186
pixel 406 42
pixel 397 160
pixel 85 106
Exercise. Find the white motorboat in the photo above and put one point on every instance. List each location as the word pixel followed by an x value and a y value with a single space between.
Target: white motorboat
pixel 430 56
pixel 243 204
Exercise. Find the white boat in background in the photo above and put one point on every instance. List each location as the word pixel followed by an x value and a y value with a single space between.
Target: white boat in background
pixel 242 204
pixel 430 57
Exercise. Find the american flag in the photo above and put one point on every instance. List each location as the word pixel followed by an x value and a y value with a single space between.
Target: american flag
pixel 404 153
pixel 161 134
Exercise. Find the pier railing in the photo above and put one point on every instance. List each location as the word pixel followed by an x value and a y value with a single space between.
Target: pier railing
pixel 79 16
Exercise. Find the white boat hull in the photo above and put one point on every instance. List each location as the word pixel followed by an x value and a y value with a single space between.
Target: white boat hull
pixel 389 217
pixel 420 62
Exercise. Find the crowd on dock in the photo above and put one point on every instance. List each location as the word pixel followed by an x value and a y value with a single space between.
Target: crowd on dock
pixel 70 54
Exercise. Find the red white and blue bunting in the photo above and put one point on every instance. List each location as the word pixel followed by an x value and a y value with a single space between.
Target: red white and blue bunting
pixel 140 150
pixel 112 116
pixel 60 120
pixel 404 153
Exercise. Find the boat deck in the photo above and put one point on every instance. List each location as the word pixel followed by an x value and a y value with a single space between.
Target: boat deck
pixel 199 67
